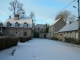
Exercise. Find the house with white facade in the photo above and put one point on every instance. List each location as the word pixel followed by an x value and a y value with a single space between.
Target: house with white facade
pixel 18 27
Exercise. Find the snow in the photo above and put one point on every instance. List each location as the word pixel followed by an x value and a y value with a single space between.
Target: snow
pixel 21 22
pixel 42 49
pixel 11 20
pixel 70 27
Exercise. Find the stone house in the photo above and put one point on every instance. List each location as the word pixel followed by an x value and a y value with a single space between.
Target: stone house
pixel 39 28
pixel 18 27
pixel 71 30
pixel 56 26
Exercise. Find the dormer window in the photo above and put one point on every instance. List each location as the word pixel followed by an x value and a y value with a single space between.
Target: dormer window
pixel 17 25
pixel 8 25
pixel 25 25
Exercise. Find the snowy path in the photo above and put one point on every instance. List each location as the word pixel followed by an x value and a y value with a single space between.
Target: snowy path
pixel 42 49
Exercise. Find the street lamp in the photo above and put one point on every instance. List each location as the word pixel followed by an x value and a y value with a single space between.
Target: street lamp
pixel 78 11
pixel 75 7
pixel 78 8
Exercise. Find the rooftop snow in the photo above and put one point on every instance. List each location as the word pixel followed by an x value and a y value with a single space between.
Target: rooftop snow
pixel 29 21
pixel 21 22
pixel 70 27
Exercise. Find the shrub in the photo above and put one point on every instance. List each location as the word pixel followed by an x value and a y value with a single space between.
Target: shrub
pixel 54 38
pixel 78 42
pixel 1 43
pixel 29 37
pixel 7 42
pixel 14 41
pixel 71 40
pixel 23 39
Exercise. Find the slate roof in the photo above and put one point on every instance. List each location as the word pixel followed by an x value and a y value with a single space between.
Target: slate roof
pixel 70 27
pixel 21 22
pixel 56 21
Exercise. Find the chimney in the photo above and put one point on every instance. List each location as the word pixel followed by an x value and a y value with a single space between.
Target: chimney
pixel 16 17
pixel 10 17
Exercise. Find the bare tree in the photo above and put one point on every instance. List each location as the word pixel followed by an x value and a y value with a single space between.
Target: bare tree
pixel 17 8
pixel 66 15
pixel 32 15
pixel 72 18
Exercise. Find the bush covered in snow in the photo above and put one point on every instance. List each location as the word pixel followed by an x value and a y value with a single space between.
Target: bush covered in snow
pixel 7 42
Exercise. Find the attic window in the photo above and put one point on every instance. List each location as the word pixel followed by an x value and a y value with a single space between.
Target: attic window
pixel 8 25
pixel 17 24
pixel 25 25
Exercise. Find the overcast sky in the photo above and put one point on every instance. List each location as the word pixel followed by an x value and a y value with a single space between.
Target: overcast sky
pixel 41 8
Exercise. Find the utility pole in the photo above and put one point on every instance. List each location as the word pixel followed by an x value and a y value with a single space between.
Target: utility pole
pixel 78 21
pixel 78 9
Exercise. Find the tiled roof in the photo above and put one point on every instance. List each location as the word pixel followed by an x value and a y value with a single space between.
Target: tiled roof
pixel 70 27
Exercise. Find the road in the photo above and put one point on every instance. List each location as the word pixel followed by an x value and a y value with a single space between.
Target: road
pixel 42 49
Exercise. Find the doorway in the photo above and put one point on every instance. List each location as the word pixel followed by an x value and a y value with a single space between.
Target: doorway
pixel 44 35
pixel 25 33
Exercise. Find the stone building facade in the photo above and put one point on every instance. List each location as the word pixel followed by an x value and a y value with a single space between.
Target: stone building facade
pixel 18 27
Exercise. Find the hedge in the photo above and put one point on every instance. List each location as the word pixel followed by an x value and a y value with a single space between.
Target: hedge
pixel 24 39
pixel 54 38
pixel 71 40
pixel 7 42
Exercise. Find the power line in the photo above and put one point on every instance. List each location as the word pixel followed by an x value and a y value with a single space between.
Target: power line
pixel 58 11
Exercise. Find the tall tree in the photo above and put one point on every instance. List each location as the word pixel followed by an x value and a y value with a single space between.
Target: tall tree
pixel 46 28
pixel 32 15
pixel 66 15
pixel 17 8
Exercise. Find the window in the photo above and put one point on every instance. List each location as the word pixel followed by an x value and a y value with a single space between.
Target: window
pixel 76 35
pixel 8 25
pixel 17 25
pixel 25 25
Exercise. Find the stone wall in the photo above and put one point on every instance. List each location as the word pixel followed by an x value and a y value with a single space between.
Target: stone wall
pixel 18 32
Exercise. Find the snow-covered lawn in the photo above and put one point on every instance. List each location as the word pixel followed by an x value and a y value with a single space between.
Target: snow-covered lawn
pixel 42 49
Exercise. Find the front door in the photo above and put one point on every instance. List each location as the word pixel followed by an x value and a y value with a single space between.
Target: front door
pixel 44 35
pixel 25 33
